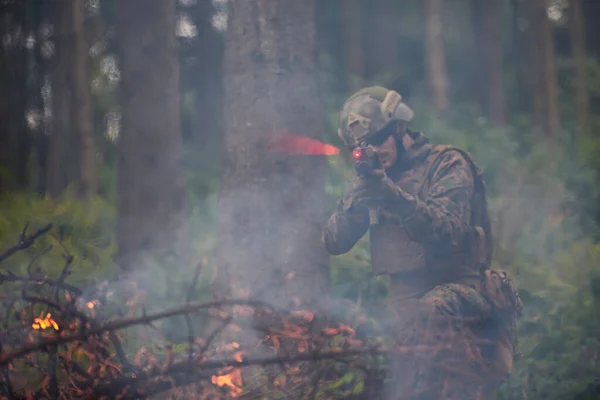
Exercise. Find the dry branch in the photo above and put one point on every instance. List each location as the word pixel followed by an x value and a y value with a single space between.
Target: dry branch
pixel 84 355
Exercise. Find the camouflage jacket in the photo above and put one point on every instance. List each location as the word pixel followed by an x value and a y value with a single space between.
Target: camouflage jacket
pixel 423 234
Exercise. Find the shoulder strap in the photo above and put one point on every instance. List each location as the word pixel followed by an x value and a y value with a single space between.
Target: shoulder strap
pixel 479 205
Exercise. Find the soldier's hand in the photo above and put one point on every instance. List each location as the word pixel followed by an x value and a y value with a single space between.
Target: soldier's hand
pixel 366 193
pixel 375 190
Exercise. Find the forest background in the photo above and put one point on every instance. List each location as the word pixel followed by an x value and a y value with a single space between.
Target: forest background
pixel 128 140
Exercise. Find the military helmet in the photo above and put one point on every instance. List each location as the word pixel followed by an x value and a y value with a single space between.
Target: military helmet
pixel 368 111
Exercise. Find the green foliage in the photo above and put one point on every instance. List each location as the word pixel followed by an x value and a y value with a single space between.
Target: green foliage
pixel 85 231
pixel 541 200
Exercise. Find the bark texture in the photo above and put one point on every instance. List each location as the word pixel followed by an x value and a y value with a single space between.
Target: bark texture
pixel 15 140
pixel 81 101
pixel 436 59
pixel 550 74
pixel 151 184
pixel 578 49
pixel 535 14
pixel 381 49
pixel 353 36
pixel 60 127
pixel 271 206
pixel 488 36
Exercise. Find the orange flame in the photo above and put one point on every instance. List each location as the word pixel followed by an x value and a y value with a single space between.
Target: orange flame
pixel 232 380
pixel 293 144
pixel 43 323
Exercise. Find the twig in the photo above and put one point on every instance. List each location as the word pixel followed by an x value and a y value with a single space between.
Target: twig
pixel 127 322
pixel 53 384
pixel 10 277
pixel 214 365
pixel 192 287
pixel 25 242
pixel 63 274
pixel 213 335
pixel 9 389
pixel 35 258
pixel 188 321
pixel 120 353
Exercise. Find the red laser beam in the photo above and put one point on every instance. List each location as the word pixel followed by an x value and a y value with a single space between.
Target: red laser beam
pixel 293 144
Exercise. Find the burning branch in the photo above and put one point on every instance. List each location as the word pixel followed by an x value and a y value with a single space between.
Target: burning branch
pixel 80 352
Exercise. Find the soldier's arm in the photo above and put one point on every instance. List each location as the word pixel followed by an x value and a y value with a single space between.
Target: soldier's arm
pixel 442 217
pixel 344 227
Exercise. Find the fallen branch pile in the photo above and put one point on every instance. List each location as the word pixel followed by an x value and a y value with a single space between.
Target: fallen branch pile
pixel 59 343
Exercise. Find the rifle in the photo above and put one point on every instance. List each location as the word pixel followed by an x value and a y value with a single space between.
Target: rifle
pixel 366 161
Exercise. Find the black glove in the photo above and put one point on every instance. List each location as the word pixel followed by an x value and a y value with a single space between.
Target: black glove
pixel 376 190
pixel 363 194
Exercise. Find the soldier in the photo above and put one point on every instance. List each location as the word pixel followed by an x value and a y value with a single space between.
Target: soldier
pixel 424 207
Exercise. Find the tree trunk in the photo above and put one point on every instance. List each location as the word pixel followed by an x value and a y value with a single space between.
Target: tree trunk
pixel 578 49
pixel 56 179
pixel 550 76
pixel 382 40
pixel 353 36
pixel 37 10
pixel 488 34
pixel 151 186
pixel 519 99
pixel 271 205
pixel 535 70
pixel 207 78
pixel 81 101
pixel 436 59
pixel 15 138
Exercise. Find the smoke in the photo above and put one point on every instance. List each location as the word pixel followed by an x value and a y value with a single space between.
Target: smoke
pixel 275 220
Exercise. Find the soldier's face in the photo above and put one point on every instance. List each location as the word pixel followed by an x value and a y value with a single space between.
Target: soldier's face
pixel 388 152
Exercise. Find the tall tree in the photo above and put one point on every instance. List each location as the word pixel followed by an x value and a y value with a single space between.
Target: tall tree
pixel 353 38
pixel 38 71
pixel 535 15
pixel 436 58
pixel 488 35
pixel 381 49
pixel 271 206
pixel 15 138
pixel 81 100
pixel 60 123
pixel 205 77
pixel 578 49
pixel 550 74
pixel 151 185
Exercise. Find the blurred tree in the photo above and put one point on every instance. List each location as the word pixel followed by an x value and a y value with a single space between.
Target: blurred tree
pixel 436 58
pixel 56 174
pixel 202 96
pixel 488 19
pixel 15 138
pixel 271 206
pixel 535 16
pixel 381 50
pixel 353 25
pixel 549 71
pixel 578 50
pixel 152 199
pixel 36 107
pixel 81 101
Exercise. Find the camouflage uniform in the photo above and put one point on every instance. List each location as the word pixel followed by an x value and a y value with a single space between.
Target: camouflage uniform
pixel 423 242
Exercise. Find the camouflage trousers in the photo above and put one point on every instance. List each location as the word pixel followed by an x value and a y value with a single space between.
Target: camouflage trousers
pixel 440 355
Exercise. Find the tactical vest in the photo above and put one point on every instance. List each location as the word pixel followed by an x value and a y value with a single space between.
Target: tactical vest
pixel 423 265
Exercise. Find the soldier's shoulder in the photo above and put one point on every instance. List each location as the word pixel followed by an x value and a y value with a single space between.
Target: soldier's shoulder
pixel 448 156
pixel 451 151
